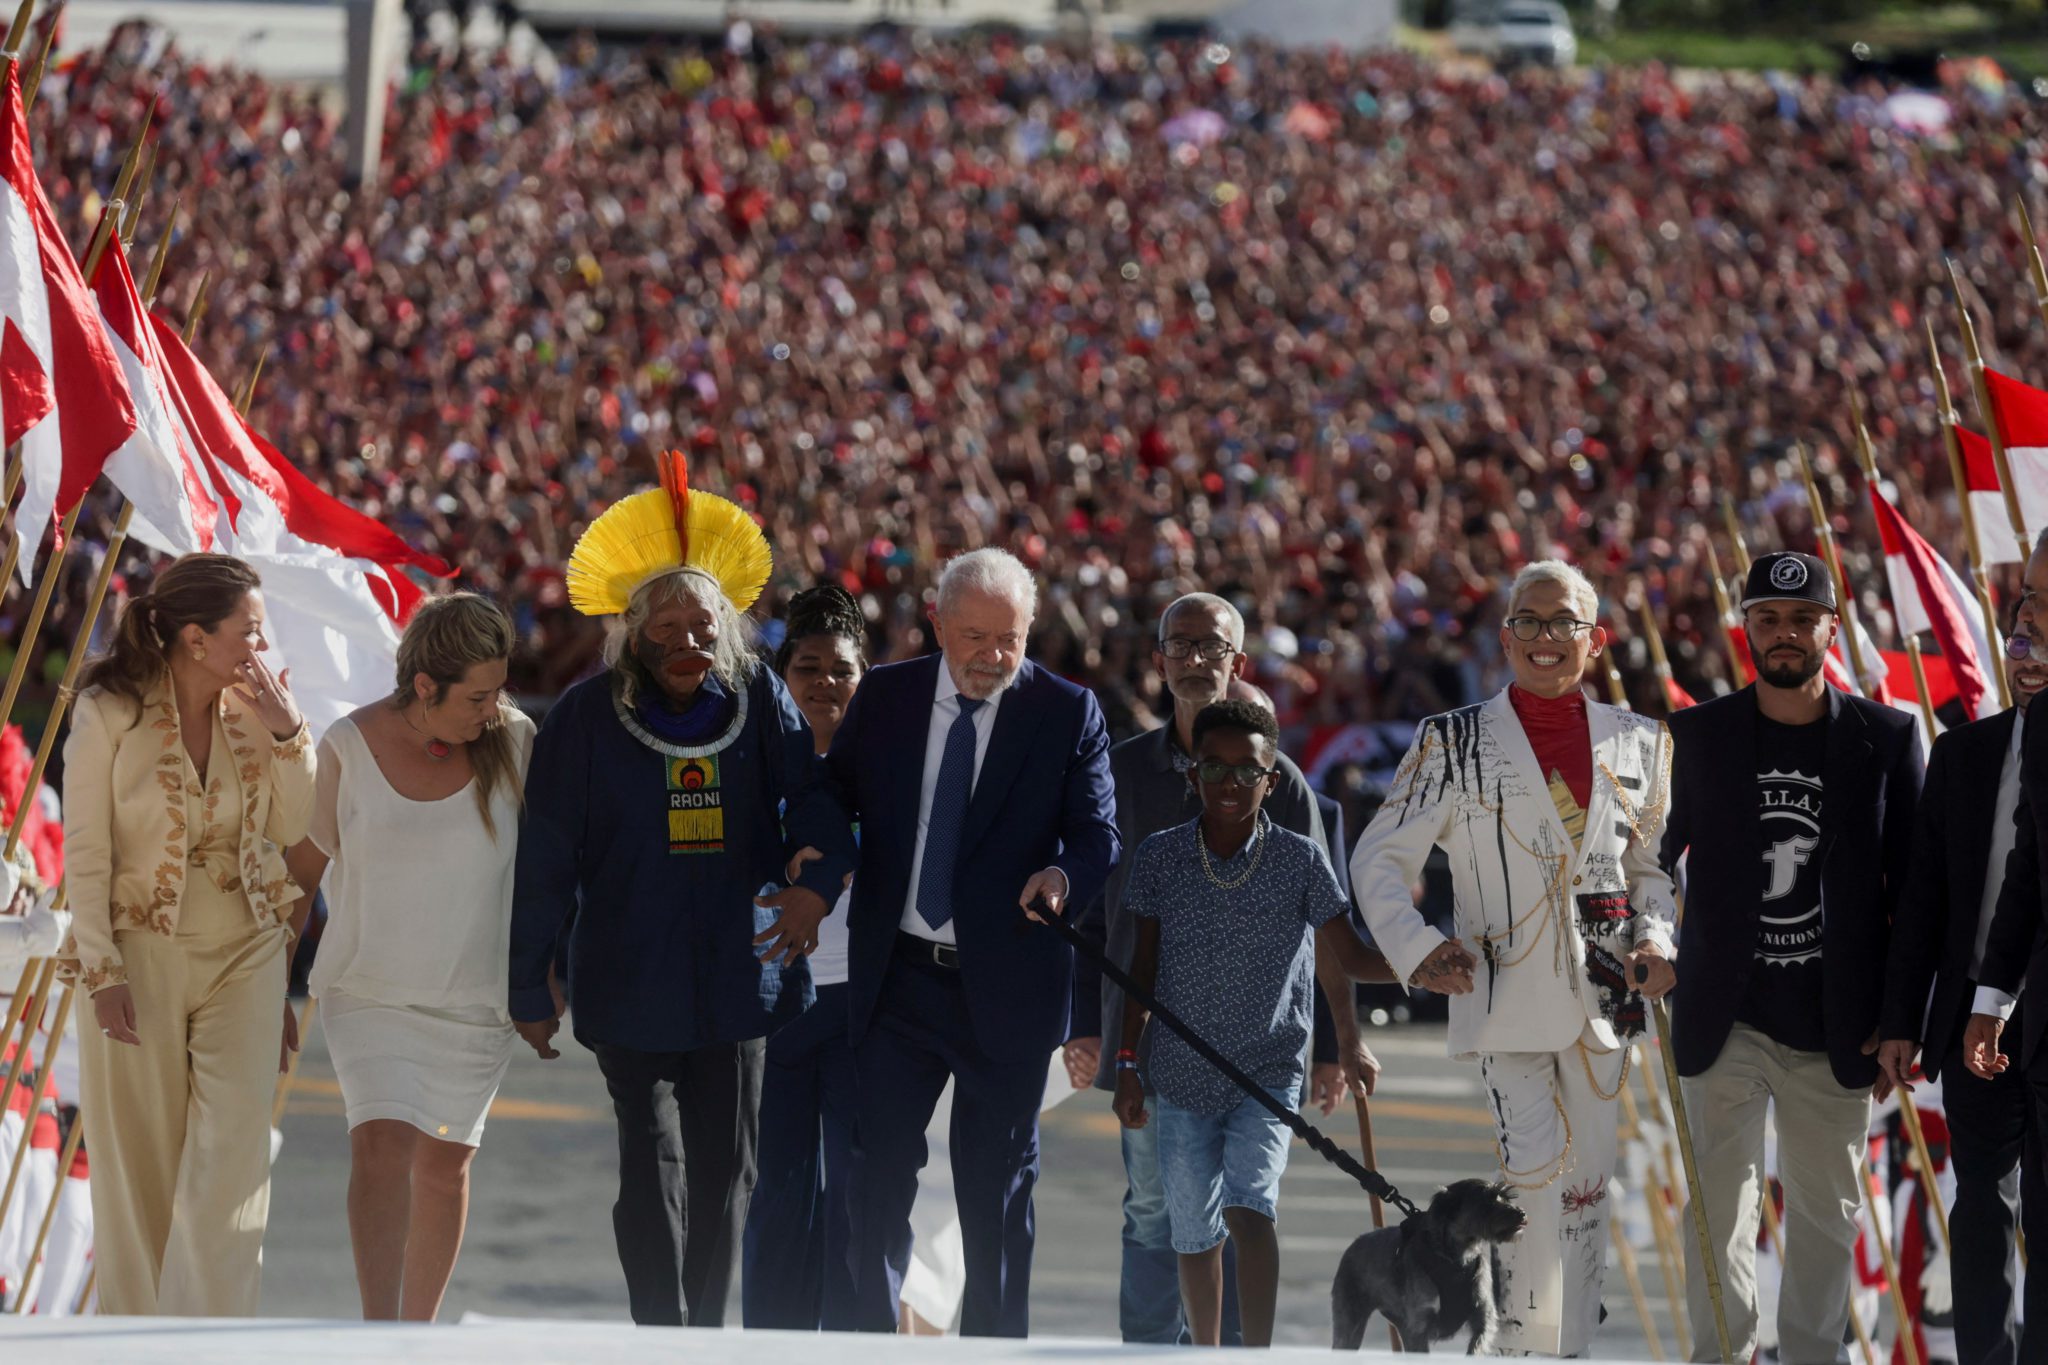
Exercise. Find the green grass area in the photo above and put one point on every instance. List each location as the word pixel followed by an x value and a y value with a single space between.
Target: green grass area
pixel 1694 47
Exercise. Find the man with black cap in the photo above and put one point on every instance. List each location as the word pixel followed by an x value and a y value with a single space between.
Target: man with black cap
pixel 1795 803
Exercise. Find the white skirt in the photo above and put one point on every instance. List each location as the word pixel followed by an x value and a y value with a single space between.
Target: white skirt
pixel 438 1070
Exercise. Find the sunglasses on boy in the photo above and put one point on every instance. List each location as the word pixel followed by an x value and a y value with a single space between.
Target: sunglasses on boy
pixel 1243 774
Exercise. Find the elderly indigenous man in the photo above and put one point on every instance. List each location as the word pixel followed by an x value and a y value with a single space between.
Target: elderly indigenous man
pixel 1550 808
pixel 1793 806
pixel 1199 655
pixel 651 820
pixel 982 785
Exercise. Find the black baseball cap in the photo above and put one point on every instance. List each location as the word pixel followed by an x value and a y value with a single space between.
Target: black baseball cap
pixel 1788 576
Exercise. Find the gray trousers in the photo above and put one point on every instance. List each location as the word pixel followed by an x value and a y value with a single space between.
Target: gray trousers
pixel 1822 1132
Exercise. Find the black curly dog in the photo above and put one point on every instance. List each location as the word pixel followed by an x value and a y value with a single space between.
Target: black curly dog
pixel 1434 1276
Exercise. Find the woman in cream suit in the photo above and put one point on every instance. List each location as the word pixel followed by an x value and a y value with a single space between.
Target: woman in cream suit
pixel 187 768
pixel 418 808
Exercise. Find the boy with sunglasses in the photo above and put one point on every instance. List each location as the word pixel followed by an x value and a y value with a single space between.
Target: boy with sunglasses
pixel 1235 919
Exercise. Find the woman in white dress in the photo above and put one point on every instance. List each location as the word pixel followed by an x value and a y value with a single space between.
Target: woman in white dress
pixel 415 823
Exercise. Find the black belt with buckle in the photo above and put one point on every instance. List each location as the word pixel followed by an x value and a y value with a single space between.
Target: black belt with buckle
pixel 926 952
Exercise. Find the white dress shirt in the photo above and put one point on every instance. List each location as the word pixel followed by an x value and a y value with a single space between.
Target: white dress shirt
pixel 1990 1001
pixel 945 710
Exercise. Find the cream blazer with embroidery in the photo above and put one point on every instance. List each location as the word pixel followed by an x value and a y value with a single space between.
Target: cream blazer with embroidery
pixel 1550 921
pixel 124 822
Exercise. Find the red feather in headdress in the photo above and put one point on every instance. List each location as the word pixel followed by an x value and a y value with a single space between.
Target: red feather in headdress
pixel 675 481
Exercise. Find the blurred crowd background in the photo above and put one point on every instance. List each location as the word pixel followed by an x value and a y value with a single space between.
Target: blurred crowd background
pixel 1347 338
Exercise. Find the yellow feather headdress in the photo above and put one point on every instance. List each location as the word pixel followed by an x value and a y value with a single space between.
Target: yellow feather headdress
pixel 667 528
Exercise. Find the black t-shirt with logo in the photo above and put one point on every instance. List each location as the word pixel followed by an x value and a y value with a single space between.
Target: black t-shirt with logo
pixel 1783 999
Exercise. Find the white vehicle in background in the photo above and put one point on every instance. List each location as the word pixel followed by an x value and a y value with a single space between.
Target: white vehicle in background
pixel 1511 32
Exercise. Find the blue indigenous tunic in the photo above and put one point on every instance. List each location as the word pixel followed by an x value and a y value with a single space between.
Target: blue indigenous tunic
pixel 647 834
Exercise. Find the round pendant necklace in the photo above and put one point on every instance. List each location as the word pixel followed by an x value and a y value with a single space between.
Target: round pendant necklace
pixel 436 748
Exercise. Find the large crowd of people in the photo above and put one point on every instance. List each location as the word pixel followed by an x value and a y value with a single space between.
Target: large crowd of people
pixel 1343 336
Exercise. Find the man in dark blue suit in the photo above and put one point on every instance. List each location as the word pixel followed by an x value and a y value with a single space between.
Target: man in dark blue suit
pixel 981 783
pixel 1795 804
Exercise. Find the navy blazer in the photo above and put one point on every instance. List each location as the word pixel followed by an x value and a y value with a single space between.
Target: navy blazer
pixel 1870 785
pixel 1041 799
pixel 1935 932
pixel 2016 953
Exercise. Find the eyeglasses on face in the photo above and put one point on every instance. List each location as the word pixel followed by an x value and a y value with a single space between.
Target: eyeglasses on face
pixel 1243 774
pixel 1563 629
pixel 1208 651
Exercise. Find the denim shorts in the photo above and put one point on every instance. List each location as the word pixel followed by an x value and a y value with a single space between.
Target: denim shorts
pixel 1210 1162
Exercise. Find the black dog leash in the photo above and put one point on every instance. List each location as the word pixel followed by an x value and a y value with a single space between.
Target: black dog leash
pixel 1375 1184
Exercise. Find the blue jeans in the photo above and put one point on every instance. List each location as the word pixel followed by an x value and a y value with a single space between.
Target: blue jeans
pixel 1210 1162
pixel 1148 1305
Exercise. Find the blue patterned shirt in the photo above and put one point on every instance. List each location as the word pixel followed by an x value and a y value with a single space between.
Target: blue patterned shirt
pixel 1237 965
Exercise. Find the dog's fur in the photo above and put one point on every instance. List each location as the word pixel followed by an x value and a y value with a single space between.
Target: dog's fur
pixel 1435 1275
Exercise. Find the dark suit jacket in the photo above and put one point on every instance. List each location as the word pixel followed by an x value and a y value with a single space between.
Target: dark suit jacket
pixel 2017 951
pixel 1041 799
pixel 1935 930
pixel 1870 786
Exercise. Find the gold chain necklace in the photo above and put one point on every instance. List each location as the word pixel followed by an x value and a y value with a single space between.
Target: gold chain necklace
pixel 1258 852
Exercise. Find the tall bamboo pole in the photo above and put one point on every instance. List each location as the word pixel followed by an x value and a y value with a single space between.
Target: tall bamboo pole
pixel 1738 672
pixel 247 396
pixel 1617 695
pixel 70 1153
pixel 2035 270
pixel 1661 1200
pixel 34 81
pixel 27 1018
pixel 1831 555
pixel 1890 1262
pixel 1631 1272
pixel 1979 581
pixel 42 1088
pixel 17 31
pixel 108 563
pixel 1660 662
pixel 100 237
pixel 1982 388
pixel 1736 542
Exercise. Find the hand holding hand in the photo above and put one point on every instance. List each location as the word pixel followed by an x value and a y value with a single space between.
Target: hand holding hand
pixel 1083 1057
pixel 539 1034
pixel 795 931
pixel 1448 970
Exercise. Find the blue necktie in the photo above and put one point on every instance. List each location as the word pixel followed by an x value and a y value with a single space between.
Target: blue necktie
pixel 949 813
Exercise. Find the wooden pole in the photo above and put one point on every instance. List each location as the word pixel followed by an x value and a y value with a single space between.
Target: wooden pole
pixel 1871 1195
pixel 163 250
pixel 1735 539
pixel 1909 1117
pixel 28 1274
pixel 1831 555
pixel 1662 1199
pixel 97 600
pixel 43 1074
pixel 1365 1147
pixel 247 396
pixel 1617 695
pixel 28 1018
pixel 92 1279
pixel 1709 1262
pixel 1981 387
pixel 1979 581
pixel 1660 662
pixel 1738 672
pixel 2035 270
pixel 1920 687
pixel 18 30
pixel 143 180
pixel 1626 1255
pixel 34 83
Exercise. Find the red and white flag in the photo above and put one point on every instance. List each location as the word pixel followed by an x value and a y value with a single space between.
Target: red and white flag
pixel 62 392
pixel 158 468
pixel 2021 412
pixel 336 590
pixel 1997 541
pixel 1930 596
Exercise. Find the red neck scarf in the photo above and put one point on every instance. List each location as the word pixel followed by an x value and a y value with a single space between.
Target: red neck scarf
pixel 1557 731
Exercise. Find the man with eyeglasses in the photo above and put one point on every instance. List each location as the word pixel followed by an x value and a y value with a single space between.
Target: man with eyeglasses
pixel 1793 806
pixel 1549 807
pixel 1199 652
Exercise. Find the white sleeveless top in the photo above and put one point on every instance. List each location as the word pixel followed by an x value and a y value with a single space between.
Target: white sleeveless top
pixel 419 894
